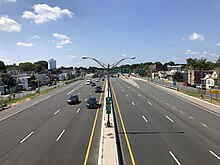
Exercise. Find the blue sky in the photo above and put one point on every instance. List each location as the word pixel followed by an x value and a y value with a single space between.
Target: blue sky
pixel 152 30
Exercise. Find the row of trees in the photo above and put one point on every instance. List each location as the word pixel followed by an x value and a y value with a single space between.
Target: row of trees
pixel 38 66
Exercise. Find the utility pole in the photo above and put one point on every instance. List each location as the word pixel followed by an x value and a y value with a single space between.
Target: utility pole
pixel 108 67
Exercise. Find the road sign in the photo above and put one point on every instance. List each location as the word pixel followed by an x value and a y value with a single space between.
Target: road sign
pixel 214 91
pixel 108 100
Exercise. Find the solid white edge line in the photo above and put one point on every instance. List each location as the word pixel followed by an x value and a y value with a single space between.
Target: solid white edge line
pixel 24 108
pixel 27 137
pixel 145 119
pixel 214 154
pixel 60 135
pixel 78 110
pixel 169 119
pixel 56 111
pixel 149 103
pixel 173 156
pixel 183 99
pixel 133 103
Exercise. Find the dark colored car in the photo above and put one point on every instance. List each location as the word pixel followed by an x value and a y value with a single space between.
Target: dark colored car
pixel 73 99
pixel 92 102
pixel 98 89
pixel 93 84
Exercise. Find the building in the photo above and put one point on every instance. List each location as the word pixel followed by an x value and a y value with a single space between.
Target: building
pixel 52 64
pixel 198 76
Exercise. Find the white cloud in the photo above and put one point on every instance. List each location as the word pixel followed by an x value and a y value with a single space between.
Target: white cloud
pixel 9 25
pixel 44 13
pixel 205 52
pixel 9 0
pixel 72 56
pixel 190 52
pixel 196 37
pixel 62 40
pixel 35 37
pixel 58 46
pixel 218 44
pixel 24 44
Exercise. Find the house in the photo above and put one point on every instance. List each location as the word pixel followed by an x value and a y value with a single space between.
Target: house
pixel 42 79
pixel 211 80
pixel 162 74
pixel 157 67
pixel 23 80
pixel 3 88
pixel 197 76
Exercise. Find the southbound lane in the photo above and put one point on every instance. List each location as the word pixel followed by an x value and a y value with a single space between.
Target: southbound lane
pixel 33 135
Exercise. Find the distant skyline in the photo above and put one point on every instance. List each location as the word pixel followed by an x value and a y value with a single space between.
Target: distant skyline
pixel 154 30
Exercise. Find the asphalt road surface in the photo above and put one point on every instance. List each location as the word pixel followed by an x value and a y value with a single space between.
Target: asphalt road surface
pixel 159 128
pixel 53 132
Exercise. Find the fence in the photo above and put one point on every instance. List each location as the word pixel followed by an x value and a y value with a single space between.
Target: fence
pixel 5 98
pixel 179 86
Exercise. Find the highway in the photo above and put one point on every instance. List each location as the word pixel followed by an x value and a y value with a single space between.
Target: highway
pixel 155 127
pixel 53 132
pixel 159 128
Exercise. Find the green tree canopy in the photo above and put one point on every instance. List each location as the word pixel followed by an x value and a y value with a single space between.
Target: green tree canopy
pixel 44 64
pixel 2 66
pixel 7 79
pixel 26 66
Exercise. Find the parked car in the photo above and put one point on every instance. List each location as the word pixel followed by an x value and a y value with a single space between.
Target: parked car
pixel 92 102
pixel 186 84
pixel 73 99
pixel 98 89
pixel 193 85
pixel 200 86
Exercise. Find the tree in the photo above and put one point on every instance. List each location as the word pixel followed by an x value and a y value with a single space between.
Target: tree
pixel 218 62
pixel 178 77
pixel 38 68
pixel 26 66
pixel 7 79
pixel 171 63
pixel 2 66
pixel 44 64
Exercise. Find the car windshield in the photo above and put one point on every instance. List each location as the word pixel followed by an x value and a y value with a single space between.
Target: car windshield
pixel 73 97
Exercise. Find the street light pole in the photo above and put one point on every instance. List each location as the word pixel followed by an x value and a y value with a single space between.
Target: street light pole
pixel 107 67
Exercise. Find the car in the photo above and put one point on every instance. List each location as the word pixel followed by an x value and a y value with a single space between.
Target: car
pixel 92 102
pixel 97 80
pixel 186 84
pixel 193 85
pixel 88 82
pixel 93 84
pixel 200 86
pixel 73 99
pixel 98 89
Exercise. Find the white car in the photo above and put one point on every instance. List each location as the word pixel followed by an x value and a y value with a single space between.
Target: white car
pixel 88 82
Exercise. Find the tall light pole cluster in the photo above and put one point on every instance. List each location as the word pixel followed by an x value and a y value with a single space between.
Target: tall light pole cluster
pixel 108 67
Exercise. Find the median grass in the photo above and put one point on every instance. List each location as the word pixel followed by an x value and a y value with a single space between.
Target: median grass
pixel 194 94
